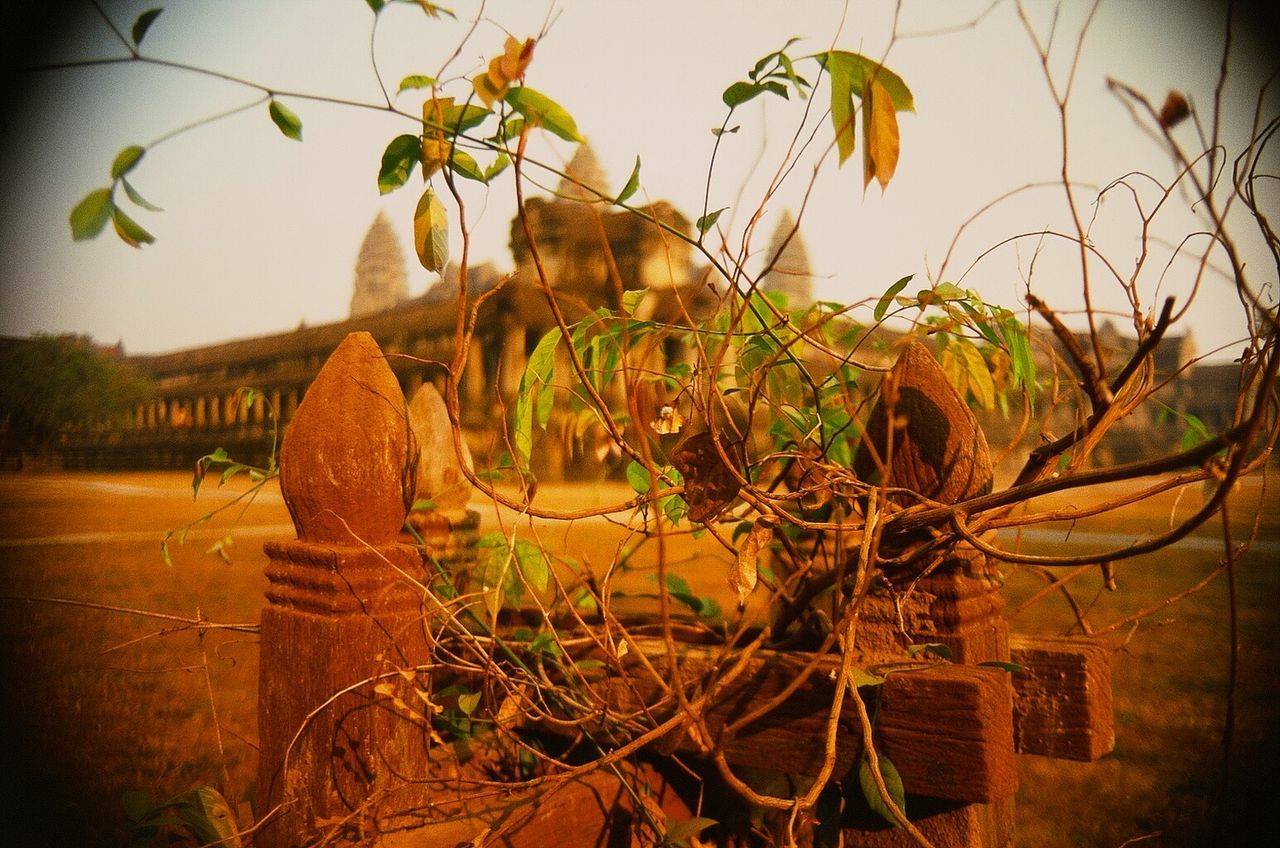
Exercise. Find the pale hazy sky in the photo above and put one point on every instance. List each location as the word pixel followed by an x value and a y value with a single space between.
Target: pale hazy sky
pixel 261 232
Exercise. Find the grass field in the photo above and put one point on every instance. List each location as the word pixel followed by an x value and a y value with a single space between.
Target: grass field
pixel 99 701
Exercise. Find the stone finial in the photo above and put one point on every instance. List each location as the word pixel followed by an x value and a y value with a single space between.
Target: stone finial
pixel 345 454
pixel 938 449
pixel 440 476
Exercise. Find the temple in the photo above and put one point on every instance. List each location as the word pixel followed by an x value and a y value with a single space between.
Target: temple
pixel 590 255
pixel 589 252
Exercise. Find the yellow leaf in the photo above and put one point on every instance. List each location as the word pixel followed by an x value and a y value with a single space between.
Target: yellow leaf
pixel 435 153
pixel 980 382
pixel 491 86
pixel 435 147
pixel 433 112
pixel 431 232
pixel 879 135
pixel 486 90
pixel 953 366
pixel 746 570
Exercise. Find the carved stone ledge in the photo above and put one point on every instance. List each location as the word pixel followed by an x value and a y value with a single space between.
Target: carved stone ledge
pixel 1062 702
pixel 331 580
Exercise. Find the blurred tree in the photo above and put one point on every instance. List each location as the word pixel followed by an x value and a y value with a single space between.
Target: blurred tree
pixel 49 383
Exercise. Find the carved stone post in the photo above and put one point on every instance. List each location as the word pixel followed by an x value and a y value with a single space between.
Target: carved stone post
pixel 922 437
pixel 344 611
pixel 448 529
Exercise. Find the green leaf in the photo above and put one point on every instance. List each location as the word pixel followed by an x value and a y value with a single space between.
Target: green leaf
pixel 542 361
pixel 892 782
pixel 398 161
pixel 849 74
pixel 137 198
pixel 543 407
pixel 1195 432
pixel 522 435
pixel 632 299
pixel 91 214
pixel 842 114
pixel 708 221
pixel 208 815
pixel 934 649
pixel 138 805
pixel 129 230
pixel 463 117
pixel 545 643
pixel 741 92
pixel 468 702
pixel 464 165
pixel 126 160
pixel 431 232
pixel 541 110
pixel 949 291
pixel 861 677
pixel 376 5
pixel 230 471
pixel 143 23
pixel 1024 366
pixel 633 183
pixel 499 165
pixel 285 120
pixel 1011 667
pixel 675 508
pixel 511 128
pixel 979 322
pixel 533 563
pixel 415 81
pixel 680 832
pixel 638 477
pixel 886 299
pixel 537 375
pixel 859 69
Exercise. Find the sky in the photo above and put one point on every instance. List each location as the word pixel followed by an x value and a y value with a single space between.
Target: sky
pixel 260 233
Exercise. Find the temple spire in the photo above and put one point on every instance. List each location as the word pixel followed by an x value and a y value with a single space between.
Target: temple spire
pixel 790 273
pixel 381 282
pixel 585 168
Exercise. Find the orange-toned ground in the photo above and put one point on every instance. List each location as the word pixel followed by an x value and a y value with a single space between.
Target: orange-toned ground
pixel 99 701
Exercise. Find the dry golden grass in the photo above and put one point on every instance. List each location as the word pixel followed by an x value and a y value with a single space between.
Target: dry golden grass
pixel 85 722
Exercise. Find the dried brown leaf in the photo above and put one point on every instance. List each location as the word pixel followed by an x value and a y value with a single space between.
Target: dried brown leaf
pixel 1174 111
pixel 709 485
pixel 745 573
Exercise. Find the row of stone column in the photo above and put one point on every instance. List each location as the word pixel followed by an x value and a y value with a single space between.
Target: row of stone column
pixel 229 409
pixel 219 410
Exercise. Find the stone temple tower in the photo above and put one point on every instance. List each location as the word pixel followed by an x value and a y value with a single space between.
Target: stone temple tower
pixel 585 168
pixel 381 282
pixel 790 273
